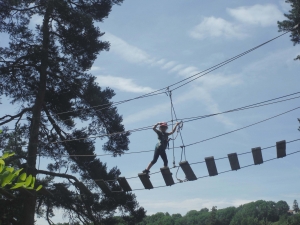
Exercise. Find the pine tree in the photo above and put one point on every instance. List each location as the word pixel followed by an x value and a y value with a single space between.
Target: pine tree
pixel 293 19
pixel 43 71
pixel 213 216
pixel 295 206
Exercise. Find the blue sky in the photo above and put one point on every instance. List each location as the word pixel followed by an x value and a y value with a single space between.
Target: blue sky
pixel 157 43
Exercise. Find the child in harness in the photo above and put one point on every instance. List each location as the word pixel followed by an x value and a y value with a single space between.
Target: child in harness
pixel 160 148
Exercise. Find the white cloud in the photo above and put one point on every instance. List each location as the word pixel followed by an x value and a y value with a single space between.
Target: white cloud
pixel 123 84
pixel 264 15
pixel 200 90
pixel 161 61
pixel 214 81
pixel 176 68
pixel 216 27
pixel 128 52
pixel 168 65
pixel 203 94
pixel 146 114
pixel 188 71
pixel 272 62
pixel 95 68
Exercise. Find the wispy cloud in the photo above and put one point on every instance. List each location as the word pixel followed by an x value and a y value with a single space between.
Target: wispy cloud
pixel 128 52
pixel 188 71
pixel 168 65
pixel 176 68
pixel 95 68
pixel 215 28
pixel 263 15
pixel 122 84
pixel 267 65
pixel 200 91
pixel 204 86
pixel 147 113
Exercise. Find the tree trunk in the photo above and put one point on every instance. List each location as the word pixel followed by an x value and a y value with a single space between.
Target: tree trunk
pixel 30 201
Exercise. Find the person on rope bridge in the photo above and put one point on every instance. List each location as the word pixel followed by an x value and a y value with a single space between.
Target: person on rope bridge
pixel 160 148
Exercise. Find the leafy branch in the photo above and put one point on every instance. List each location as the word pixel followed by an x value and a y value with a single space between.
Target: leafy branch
pixel 12 178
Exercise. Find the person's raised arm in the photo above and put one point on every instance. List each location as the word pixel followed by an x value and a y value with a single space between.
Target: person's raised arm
pixel 174 129
pixel 155 127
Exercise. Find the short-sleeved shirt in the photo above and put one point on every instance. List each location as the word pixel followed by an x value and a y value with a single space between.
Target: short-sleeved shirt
pixel 163 138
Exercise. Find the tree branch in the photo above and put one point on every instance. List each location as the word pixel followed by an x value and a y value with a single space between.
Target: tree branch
pixel 19 115
pixel 67 176
pixel 22 10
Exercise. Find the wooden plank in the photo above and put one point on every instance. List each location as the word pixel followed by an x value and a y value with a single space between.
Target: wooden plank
pixel 145 180
pixel 124 184
pixel 189 173
pixel 211 166
pixel 167 175
pixel 103 186
pixel 234 161
pixel 257 156
pixel 281 149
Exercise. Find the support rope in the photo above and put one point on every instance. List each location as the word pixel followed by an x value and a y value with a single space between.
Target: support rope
pixel 178 132
pixel 172 121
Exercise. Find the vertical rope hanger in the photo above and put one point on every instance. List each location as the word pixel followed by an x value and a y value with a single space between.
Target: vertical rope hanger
pixel 178 131
pixel 180 127
pixel 172 121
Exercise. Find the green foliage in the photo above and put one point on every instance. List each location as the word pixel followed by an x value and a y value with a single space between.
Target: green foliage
pixel 11 177
pixel 293 18
pixel 44 70
pixel 213 216
pixel 224 216
pixel 254 213
pixel 295 206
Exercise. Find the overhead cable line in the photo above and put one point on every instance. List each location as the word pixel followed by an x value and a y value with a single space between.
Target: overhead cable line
pixel 206 71
pixel 204 140
pixel 190 119
pixel 250 125
pixel 104 135
pixel 195 76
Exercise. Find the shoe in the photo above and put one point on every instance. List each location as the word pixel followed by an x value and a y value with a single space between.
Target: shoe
pixel 146 171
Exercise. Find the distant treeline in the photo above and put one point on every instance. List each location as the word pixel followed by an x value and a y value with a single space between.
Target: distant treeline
pixel 253 213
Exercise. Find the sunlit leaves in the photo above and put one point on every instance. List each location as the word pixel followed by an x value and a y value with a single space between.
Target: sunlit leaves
pixel 11 177
pixel 6 155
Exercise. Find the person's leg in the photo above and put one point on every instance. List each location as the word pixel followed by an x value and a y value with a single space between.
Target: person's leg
pixel 149 166
pixel 164 157
pixel 154 160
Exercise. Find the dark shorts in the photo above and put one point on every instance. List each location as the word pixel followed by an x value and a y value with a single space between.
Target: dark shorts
pixel 160 151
